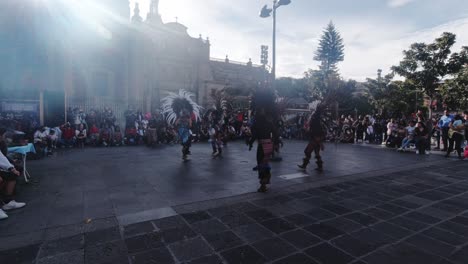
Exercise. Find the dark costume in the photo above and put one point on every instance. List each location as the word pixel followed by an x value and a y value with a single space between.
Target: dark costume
pixel 264 131
pixel 317 134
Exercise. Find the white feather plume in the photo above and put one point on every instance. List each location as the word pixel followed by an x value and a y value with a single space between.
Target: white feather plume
pixel 169 105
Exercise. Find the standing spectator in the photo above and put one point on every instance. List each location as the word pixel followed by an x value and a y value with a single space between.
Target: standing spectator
pixel 456 134
pixel 391 128
pixel 466 126
pixel 444 123
pixel 420 137
pixel 437 132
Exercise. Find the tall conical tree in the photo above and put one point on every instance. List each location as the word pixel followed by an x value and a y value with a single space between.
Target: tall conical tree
pixel 330 51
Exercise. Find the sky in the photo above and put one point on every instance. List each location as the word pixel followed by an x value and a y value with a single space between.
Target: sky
pixel 375 32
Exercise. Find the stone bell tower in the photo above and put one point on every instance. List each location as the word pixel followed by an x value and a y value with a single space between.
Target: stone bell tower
pixel 153 15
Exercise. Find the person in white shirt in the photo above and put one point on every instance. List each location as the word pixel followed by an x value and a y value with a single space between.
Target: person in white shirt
pixel 81 135
pixel 8 176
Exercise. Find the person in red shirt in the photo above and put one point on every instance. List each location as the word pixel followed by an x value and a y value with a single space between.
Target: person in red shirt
pixel 68 135
pixel 94 135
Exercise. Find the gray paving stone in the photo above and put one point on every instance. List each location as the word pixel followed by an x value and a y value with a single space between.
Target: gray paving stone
pixel 299 220
pixel 100 224
pixel 209 227
pixel 196 217
pixel 110 252
pixel 224 240
pixel 460 256
pixel 379 213
pixel 372 237
pixel 144 242
pixel 274 248
pixel 300 238
pixel 25 254
pixel 260 215
pixel 278 225
pixel 138 229
pixel 361 218
pixel 353 246
pixel 343 224
pixel 190 249
pixel 405 253
pixel 445 236
pixel 323 231
pixel 64 245
pixel 102 236
pixel 454 228
pixel 243 254
pixel 381 257
pixel 392 230
pixel 169 222
pixel 392 208
pixel 158 255
pixel 234 219
pixel 460 220
pixel 212 259
pixel 336 209
pixel 328 254
pixel 431 246
pixel 320 214
pixel 408 223
pixel 434 212
pixel 252 232
pixel 72 257
pixel 296 259
pixel 177 234
pixel 423 218
pixel 59 232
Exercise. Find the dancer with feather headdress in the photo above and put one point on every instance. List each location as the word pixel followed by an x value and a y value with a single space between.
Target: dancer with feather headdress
pixel 180 110
pixel 265 132
pixel 317 130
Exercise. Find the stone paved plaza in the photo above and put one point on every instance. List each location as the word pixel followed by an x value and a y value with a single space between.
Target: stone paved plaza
pixel 139 205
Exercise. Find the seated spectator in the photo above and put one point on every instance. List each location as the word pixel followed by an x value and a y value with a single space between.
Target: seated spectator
pixel 42 141
pixel 118 138
pixel 106 139
pixel 53 138
pixel 131 135
pixel 400 133
pixel 94 135
pixel 409 139
pixel 68 138
pixel 8 177
pixel 80 135
pixel 420 137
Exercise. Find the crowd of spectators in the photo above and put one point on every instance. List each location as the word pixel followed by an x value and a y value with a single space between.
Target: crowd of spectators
pixel 446 132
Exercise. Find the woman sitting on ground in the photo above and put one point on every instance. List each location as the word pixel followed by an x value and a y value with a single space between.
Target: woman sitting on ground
pixel 420 137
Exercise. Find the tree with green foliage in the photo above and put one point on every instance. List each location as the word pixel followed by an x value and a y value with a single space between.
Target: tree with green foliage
pixel 330 51
pixel 426 65
pixel 390 97
pixel 455 91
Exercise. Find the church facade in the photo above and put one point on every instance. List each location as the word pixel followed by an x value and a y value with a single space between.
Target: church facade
pixel 57 59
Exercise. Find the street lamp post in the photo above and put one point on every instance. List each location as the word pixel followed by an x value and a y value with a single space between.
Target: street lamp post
pixel 267 12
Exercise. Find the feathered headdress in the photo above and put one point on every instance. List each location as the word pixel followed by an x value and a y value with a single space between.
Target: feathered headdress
pixel 264 100
pixel 175 105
